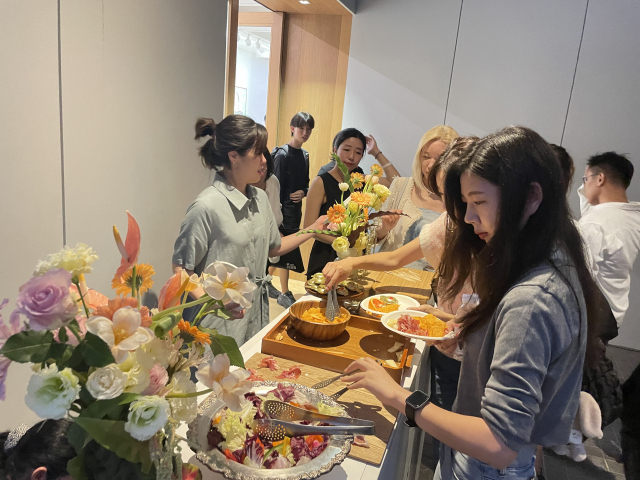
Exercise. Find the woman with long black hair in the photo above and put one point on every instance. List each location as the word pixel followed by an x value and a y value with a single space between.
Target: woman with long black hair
pixel 524 343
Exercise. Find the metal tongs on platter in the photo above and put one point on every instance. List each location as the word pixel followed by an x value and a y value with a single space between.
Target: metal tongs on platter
pixel 282 415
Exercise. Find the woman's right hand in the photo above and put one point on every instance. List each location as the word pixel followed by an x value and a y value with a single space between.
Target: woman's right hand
pixel 389 222
pixel 335 272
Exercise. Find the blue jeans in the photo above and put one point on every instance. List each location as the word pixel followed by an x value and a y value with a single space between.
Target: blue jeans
pixel 454 465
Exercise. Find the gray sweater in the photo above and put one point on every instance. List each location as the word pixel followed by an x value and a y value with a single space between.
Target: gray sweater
pixel 522 371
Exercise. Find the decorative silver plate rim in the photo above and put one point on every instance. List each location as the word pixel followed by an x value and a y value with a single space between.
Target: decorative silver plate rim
pixel 335 453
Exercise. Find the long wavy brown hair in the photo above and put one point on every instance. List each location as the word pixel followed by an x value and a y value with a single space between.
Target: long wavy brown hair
pixel 513 159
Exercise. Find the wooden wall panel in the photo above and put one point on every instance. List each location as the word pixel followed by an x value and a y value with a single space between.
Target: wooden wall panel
pixel 314 75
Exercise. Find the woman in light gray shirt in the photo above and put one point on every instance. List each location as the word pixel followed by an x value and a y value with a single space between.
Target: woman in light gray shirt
pixel 524 344
pixel 232 221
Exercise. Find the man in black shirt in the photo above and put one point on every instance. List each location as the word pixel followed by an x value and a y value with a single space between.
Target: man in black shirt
pixel 292 170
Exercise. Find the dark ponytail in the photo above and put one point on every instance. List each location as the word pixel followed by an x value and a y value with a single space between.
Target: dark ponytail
pixel 43 445
pixel 236 133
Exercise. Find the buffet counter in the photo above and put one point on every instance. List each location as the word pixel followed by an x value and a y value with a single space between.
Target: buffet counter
pixel 403 452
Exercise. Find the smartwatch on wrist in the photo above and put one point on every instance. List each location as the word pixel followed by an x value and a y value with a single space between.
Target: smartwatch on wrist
pixel 415 402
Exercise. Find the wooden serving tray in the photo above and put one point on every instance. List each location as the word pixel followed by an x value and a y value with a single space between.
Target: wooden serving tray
pixel 358 403
pixel 394 283
pixel 363 337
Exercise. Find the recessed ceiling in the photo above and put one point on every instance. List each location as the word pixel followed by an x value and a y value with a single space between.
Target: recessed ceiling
pixel 251 6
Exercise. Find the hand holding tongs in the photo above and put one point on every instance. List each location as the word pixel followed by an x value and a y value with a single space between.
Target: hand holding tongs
pixel 281 416
pixel 333 309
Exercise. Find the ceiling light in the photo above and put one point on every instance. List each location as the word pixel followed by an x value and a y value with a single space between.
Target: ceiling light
pixel 247 42
pixel 304 2
pixel 258 46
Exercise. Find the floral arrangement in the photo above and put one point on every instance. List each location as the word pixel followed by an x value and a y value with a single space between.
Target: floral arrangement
pixel 348 220
pixel 121 372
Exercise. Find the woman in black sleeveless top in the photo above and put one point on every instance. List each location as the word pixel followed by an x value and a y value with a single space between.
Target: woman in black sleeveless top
pixel 349 145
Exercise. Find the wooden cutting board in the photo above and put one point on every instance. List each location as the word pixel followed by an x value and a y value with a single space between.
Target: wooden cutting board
pixel 404 281
pixel 358 403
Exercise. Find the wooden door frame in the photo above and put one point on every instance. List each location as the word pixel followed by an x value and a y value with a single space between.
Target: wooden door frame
pixel 275 20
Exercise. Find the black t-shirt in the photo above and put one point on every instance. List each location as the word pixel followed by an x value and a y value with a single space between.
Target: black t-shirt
pixel 291 166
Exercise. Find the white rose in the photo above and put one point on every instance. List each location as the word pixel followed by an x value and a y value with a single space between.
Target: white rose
pixel 107 382
pixel 183 409
pixel 146 416
pixel 159 350
pixel 50 393
pixel 343 186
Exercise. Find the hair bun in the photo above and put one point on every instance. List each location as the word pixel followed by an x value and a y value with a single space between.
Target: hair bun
pixel 205 127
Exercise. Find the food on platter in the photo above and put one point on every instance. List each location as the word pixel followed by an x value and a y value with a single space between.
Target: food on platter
pixel 270 363
pixel 425 326
pixel 361 441
pixel 384 304
pixel 293 373
pixel 317 315
pixel 391 363
pixel 254 377
pixel 396 346
pixel 231 433
pixel 317 284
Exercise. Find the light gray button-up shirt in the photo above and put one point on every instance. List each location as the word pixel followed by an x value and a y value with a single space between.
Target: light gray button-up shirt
pixel 225 225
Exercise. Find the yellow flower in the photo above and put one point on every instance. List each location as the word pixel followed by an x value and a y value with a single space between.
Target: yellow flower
pixel 357 180
pixel 361 242
pixel 76 260
pixel 353 207
pixel 376 170
pixel 336 214
pixel 381 191
pixel 192 334
pixel 144 272
pixel 377 204
pixel 340 244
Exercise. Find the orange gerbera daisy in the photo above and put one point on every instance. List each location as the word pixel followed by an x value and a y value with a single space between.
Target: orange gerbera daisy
pixel 117 303
pixel 337 214
pixel 376 170
pixel 192 334
pixel 122 284
pixel 362 199
pixel 357 179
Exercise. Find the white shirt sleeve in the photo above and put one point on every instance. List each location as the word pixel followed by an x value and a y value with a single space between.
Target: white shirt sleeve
pixel 585 206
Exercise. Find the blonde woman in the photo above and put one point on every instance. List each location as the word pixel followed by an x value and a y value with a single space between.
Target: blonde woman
pixel 411 196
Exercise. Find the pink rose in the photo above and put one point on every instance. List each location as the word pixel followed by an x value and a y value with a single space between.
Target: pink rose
pixel 334 227
pixel 46 302
pixel 158 379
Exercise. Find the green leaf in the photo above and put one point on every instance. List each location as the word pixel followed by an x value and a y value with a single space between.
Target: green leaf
pixel 102 464
pixel 112 436
pixel 345 171
pixel 92 352
pixel 62 335
pixel 28 346
pixel 165 324
pixel 111 408
pixel 77 437
pixel 223 344
pixel 60 352
pixel 75 468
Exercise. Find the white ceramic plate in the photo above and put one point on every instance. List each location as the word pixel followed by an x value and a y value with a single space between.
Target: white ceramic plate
pixel 404 301
pixel 389 320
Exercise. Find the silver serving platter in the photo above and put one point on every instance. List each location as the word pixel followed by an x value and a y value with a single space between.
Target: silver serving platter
pixel 335 453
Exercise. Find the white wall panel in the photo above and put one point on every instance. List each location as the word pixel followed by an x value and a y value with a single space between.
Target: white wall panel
pixel 30 177
pixel 514 65
pixel 605 111
pixel 136 75
pixel 399 68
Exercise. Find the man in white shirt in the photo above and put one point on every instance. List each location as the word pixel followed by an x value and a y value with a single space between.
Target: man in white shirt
pixel 610 225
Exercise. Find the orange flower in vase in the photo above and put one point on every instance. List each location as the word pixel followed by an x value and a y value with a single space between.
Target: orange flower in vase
pixel 192 334
pixel 362 199
pixel 337 214
pixel 122 283
pixel 357 180
pixel 117 303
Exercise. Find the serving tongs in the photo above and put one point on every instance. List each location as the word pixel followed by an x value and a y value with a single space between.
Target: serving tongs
pixel 281 417
pixel 333 309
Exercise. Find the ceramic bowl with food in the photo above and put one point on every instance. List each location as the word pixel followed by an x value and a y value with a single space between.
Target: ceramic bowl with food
pixel 308 320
